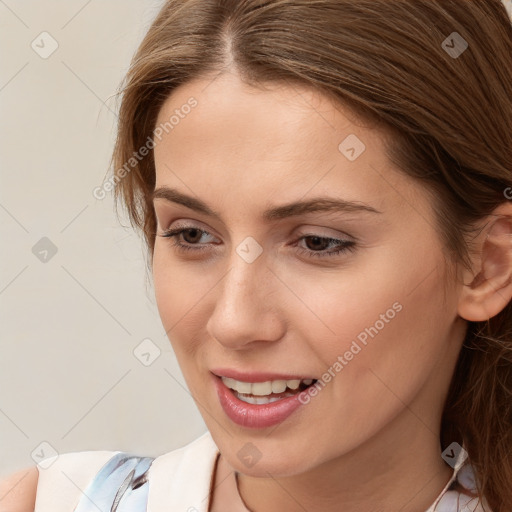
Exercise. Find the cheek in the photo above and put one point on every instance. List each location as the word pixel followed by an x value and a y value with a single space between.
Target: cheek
pixel 180 290
pixel 388 326
pixel 394 302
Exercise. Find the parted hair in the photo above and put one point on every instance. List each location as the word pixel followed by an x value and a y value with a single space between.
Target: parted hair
pixel 435 75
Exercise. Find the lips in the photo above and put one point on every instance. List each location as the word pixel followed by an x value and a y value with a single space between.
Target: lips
pixel 259 400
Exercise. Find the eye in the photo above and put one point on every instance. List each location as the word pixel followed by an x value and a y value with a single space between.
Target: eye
pixel 341 246
pixel 193 234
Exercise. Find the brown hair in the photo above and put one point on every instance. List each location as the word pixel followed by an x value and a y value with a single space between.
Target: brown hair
pixel 450 117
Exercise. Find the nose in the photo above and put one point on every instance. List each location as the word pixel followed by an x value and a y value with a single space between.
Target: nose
pixel 247 306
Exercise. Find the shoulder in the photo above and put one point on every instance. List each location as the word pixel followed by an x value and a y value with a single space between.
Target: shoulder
pixel 18 491
pixel 57 484
pixel 34 488
pixel 63 477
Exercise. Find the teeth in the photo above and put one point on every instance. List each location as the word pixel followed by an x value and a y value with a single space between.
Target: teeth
pixel 294 384
pixel 256 388
pixel 262 389
pixel 278 386
pixel 244 387
pixel 260 400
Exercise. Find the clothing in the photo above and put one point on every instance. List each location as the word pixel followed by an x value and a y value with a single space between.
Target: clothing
pixel 178 481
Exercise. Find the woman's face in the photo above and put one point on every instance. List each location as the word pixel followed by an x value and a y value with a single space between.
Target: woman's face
pixel 350 294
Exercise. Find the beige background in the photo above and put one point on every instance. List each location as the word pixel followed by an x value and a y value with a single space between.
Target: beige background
pixel 70 324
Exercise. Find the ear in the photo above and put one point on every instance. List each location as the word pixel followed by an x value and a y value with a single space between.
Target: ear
pixel 487 289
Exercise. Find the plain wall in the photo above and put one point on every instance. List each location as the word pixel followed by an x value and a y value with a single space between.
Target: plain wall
pixel 70 321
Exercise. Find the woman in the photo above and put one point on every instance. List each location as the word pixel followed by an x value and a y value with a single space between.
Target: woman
pixel 324 187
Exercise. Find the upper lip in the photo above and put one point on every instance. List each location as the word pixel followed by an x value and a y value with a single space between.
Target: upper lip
pixel 252 376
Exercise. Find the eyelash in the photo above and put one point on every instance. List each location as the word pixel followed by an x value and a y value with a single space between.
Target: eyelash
pixel 347 245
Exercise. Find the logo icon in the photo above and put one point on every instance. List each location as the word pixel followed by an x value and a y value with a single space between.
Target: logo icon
pixel 147 352
pixel 44 45
pixel 44 455
pixel 249 249
pixel 454 45
pixel 351 147
pixel 249 455
pixel 44 250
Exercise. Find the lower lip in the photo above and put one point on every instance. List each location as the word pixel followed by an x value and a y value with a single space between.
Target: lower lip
pixel 251 415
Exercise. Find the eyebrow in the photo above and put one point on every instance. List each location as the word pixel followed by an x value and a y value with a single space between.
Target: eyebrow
pixel 318 204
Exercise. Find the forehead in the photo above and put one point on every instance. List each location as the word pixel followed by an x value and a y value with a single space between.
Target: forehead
pixel 286 139
pixel 284 116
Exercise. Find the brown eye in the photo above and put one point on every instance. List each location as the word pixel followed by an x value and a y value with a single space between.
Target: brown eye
pixel 191 236
pixel 320 243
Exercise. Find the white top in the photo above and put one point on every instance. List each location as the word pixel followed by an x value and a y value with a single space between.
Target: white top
pixel 180 481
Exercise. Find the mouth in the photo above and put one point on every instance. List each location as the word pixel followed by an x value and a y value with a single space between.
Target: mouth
pixel 267 392
pixel 259 400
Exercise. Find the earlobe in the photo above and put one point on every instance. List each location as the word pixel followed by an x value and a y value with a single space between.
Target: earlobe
pixel 487 292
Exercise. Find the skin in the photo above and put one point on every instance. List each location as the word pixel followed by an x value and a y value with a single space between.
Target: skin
pixel 18 491
pixel 370 439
